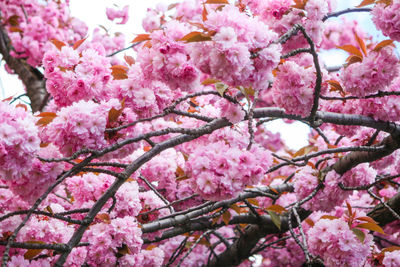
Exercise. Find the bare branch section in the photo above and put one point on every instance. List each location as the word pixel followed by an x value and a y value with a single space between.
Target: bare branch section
pixel 32 78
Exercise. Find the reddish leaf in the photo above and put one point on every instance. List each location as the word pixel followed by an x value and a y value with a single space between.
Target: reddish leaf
pixel 141 38
pixel 44 144
pixel 78 43
pixel 335 86
pixel 209 81
pixel 119 72
pixel 179 171
pixel 349 209
pixel 330 146
pixel 150 247
pixel 204 13
pixel 353 59
pixel 181 178
pixel 236 208
pixel 217 2
pixel 277 208
pixel 329 217
pixel 309 222
pixel 49 209
pixel 104 217
pixel 391 249
pixel 205 242
pixel 195 37
pixel 351 49
pixel 198 25
pixel 214 220
pixel 113 115
pixel 371 226
pixel 46 118
pixel 361 44
pixel 367 219
pixel 58 43
pixel 130 60
pixel 124 250
pixel 13 20
pixel 147 44
pixel 32 253
pixel 386 2
pixel 7 99
pixel 382 45
pixel 46 114
pixel 253 201
pixel 274 190
pixel 147 148
pixel 171 6
pixel 366 3
pixel 22 106
pixel 15 29
pixel 305 150
pixel 226 217
pixel 300 4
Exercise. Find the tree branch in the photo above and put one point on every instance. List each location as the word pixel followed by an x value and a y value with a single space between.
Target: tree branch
pixel 32 78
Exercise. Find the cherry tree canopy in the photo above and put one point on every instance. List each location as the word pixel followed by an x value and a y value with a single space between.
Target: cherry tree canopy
pixel 156 153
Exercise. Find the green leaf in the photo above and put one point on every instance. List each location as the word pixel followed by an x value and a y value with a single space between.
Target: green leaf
pixel 221 88
pixel 276 219
pixel 359 234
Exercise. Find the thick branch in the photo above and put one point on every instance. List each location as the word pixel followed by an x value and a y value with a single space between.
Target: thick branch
pixel 30 77
pixel 382 214
pixel 241 249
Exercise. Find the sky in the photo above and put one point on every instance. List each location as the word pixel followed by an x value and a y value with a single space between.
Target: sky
pixel 93 13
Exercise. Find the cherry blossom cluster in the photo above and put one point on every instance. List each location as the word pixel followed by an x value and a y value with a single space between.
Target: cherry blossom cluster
pixel 335 242
pixel 219 171
pixel 74 75
pixel 32 24
pixel 241 52
pixel 122 14
pixel 293 88
pixel 162 158
pixel 167 60
pixel 376 71
pixel 19 141
pixel 386 18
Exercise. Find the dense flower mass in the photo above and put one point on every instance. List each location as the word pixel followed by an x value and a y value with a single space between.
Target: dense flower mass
pixel 337 244
pixel 220 171
pixel 30 34
pixel 293 88
pixel 241 52
pixel 74 75
pixel 19 141
pixel 164 151
pixel 373 74
pixel 386 18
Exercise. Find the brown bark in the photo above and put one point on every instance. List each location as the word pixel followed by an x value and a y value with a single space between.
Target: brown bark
pixel 241 249
pixel 32 78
